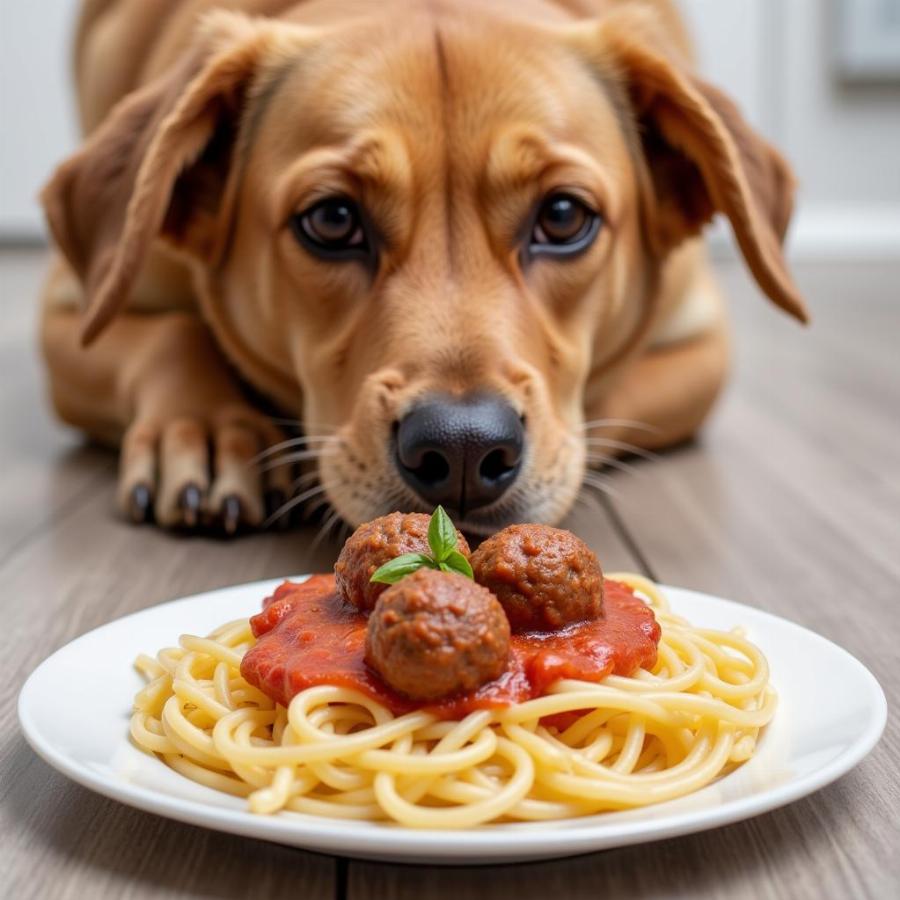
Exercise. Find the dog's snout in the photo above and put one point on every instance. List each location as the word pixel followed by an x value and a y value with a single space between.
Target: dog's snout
pixel 463 453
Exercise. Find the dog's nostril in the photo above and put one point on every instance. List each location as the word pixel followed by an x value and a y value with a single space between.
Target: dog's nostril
pixel 433 469
pixel 461 452
pixel 496 464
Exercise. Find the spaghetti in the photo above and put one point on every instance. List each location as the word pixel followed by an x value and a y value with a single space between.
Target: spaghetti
pixel 581 748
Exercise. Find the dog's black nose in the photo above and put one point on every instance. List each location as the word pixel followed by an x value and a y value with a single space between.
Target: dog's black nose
pixel 463 453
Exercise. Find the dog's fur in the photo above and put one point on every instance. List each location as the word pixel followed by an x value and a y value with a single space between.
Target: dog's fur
pixel 209 123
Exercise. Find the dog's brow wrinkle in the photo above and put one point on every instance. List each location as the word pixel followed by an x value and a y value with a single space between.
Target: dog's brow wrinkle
pixel 444 88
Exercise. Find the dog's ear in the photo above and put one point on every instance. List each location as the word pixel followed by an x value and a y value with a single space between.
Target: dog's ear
pixel 699 154
pixel 158 165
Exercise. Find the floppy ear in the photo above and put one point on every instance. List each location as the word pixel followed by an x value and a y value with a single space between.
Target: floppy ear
pixel 701 156
pixel 158 165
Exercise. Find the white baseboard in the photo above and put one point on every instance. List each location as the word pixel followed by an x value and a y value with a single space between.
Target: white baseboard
pixel 831 233
pixel 17 230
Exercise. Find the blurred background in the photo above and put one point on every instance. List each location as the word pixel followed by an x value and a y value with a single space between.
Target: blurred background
pixel 821 78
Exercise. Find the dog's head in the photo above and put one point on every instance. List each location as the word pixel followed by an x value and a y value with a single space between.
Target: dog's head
pixel 428 235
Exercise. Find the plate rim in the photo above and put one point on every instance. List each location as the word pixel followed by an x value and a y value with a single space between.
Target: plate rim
pixel 481 845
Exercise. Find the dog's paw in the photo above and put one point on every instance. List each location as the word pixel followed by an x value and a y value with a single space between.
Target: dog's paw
pixel 189 473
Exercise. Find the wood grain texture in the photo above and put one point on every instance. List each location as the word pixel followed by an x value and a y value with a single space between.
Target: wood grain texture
pixel 790 502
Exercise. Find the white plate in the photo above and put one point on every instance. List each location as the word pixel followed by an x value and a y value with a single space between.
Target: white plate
pixel 74 710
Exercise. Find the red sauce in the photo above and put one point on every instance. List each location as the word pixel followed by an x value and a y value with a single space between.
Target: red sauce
pixel 307 635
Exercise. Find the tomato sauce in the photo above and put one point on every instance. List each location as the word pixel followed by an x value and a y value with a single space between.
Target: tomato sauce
pixel 307 635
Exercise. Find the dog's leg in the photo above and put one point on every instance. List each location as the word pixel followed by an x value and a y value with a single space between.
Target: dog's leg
pixel 667 394
pixel 157 385
pixel 668 391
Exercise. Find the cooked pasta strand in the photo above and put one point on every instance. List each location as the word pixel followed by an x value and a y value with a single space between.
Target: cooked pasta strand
pixel 335 752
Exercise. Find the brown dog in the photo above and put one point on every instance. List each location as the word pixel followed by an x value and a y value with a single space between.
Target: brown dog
pixel 448 235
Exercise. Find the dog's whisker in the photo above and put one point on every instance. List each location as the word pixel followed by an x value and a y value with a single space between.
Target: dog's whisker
pixel 285 508
pixel 285 422
pixel 303 440
pixel 624 446
pixel 606 491
pixel 589 501
pixel 596 478
pixel 303 480
pixel 613 463
pixel 603 487
pixel 324 506
pixel 289 458
pixel 327 509
pixel 324 531
pixel 617 423
pixel 301 424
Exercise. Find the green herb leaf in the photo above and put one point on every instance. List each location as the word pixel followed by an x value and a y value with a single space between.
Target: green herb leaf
pixel 456 562
pixel 401 566
pixel 442 541
pixel 441 535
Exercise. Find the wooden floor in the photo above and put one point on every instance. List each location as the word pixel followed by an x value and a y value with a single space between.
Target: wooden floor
pixel 791 502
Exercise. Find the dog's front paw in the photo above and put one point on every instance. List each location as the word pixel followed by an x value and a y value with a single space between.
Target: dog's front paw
pixel 191 472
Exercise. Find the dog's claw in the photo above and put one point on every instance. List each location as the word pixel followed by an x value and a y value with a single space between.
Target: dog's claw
pixel 140 504
pixel 231 514
pixel 275 499
pixel 189 502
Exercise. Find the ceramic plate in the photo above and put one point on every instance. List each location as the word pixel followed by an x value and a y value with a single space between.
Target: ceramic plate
pixel 75 707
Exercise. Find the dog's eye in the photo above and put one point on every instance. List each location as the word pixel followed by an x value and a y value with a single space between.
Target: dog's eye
pixel 333 228
pixel 563 225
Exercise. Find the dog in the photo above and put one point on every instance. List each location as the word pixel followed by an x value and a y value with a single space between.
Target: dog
pixel 458 240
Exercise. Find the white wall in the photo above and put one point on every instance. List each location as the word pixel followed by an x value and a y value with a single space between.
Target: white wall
pixel 774 56
pixel 37 121
pixel 843 140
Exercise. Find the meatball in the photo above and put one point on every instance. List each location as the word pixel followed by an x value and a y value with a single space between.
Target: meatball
pixel 375 543
pixel 545 578
pixel 434 634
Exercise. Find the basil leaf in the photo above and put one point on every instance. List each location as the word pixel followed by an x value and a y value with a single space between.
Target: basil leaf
pixel 441 535
pixel 401 566
pixel 456 562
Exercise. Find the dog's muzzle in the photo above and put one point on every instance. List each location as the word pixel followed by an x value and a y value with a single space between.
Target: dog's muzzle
pixel 464 453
